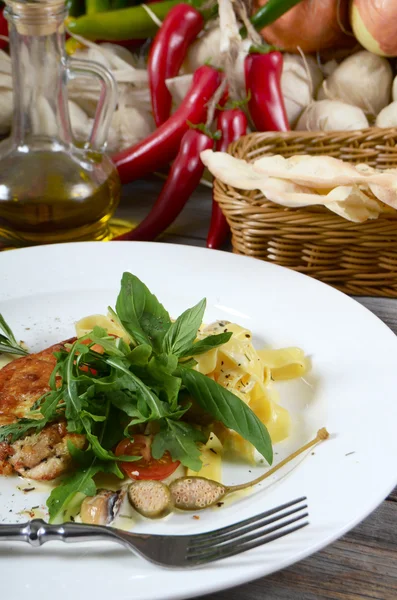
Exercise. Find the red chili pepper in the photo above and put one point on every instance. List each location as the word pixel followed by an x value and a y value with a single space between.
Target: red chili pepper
pixel 185 174
pixel 159 148
pixel 263 81
pixel 3 29
pixel 179 29
pixel 232 124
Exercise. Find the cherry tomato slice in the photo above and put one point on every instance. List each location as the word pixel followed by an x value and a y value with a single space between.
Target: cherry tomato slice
pixel 146 467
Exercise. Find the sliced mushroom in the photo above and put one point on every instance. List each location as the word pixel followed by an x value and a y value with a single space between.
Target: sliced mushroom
pixel 151 499
pixel 103 508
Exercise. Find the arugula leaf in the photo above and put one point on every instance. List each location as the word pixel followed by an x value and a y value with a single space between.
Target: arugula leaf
pixel 182 333
pixel 112 431
pixel 83 457
pixel 229 409
pixel 8 343
pixel 14 431
pixel 180 439
pixel 70 390
pixel 80 482
pixel 144 394
pixel 140 313
pixel 49 405
pixel 108 343
pixel 107 455
pixel 208 343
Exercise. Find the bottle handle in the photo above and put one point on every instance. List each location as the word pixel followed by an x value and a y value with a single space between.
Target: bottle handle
pixel 107 99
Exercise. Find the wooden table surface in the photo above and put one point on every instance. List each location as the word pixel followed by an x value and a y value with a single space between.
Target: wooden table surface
pixel 362 564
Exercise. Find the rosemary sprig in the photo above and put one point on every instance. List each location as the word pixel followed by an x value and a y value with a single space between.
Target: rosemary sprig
pixel 8 343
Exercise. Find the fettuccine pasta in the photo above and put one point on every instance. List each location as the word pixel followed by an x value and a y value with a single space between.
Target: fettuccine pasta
pixel 249 374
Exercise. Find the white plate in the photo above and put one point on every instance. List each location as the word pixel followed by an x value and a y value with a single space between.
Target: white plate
pixel 351 390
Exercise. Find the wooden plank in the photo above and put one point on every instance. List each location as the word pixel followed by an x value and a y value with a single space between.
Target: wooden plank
pixel 361 565
pixel 384 308
pixel 393 498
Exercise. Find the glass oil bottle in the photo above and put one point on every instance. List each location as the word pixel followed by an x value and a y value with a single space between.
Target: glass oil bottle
pixel 52 189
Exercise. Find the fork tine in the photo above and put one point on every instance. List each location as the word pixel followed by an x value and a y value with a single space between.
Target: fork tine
pixel 209 535
pixel 238 532
pixel 233 549
pixel 240 541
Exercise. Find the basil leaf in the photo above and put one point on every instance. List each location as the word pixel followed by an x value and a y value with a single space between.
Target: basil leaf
pixel 140 313
pixel 81 481
pixel 229 409
pixel 180 439
pixel 182 333
pixel 160 369
pixel 140 355
pixel 190 363
pixel 208 343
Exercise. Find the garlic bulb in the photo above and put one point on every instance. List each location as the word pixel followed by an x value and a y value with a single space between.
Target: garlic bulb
pixel 331 115
pixel 300 80
pixel 363 80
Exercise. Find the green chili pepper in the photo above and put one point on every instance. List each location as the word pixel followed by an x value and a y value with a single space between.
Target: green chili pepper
pixel 269 13
pixel 133 23
pixel 97 6
pixel 125 24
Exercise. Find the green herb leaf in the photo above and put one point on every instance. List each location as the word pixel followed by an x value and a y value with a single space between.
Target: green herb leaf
pixel 8 343
pixel 229 409
pixel 49 406
pixel 84 458
pixel 107 455
pixel 157 408
pixel 208 343
pixel 80 482
pixel 14 431
pixel 140 355
pixel 140 313
pixel 182 333
pixel 180 439
pixel 160 369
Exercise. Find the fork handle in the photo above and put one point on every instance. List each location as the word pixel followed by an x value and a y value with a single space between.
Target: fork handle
pixel 37 532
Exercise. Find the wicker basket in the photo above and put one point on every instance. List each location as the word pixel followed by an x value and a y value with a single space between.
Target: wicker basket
pixel 359 259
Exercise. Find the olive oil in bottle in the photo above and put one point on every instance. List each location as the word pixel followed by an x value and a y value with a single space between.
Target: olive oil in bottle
pixel 52 189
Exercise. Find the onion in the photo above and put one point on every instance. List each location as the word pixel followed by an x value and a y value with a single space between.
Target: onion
pixel 374 25
pixel 312 25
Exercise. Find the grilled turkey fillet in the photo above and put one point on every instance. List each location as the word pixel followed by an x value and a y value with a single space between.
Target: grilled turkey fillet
pixel 39 456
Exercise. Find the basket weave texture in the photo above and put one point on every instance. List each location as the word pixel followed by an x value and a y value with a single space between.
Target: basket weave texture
pixel 359 259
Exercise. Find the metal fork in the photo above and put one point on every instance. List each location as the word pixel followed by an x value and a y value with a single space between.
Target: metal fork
pixel 176 551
